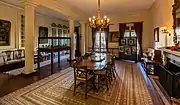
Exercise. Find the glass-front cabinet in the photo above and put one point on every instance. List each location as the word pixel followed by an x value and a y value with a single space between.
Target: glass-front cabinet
pixel 128 44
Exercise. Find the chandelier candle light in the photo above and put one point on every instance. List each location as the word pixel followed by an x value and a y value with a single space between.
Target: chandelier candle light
pixel 98 22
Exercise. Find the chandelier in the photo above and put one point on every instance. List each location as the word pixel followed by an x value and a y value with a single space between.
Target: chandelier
pixel 98 22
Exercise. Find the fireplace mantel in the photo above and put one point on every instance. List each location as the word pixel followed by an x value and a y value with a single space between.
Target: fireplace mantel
pixel 174 56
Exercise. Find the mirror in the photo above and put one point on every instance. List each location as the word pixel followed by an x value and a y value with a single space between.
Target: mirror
pixel 176 20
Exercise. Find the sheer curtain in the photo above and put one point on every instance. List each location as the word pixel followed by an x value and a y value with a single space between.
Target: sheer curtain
pixel 100 36
pixel 96 35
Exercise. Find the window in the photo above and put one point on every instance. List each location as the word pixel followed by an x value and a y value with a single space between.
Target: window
pixel 131 33
pixel 100 36
pixel 54 34
pixel 22 31
pixel 65 34
pixel 60 35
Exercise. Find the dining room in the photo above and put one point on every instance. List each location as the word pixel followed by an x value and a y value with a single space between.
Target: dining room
pixel 83 52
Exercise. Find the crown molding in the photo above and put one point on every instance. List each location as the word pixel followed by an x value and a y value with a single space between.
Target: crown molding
pixel 11 5
pixel 83 22
pixel 33 3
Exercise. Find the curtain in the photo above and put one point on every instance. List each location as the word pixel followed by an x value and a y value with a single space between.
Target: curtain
pixel 93 37
pixel 139 29
pixel 122 28
pixel 106 31
pixel 94 31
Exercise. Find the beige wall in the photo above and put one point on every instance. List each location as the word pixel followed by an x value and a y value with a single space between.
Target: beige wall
pixel 10 14
pixel 161 12
pixel 13 14
pixel 143 16
pixel 45 21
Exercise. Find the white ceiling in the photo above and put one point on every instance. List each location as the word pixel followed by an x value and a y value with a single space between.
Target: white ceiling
pixel 110 6
pixel 50 13
pixel 90 6
pixel 39 9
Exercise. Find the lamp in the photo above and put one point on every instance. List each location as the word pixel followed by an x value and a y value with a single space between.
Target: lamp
pixel 165 30
pixel 97 21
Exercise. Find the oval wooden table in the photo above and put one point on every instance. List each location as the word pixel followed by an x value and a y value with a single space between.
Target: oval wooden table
pixel 96 61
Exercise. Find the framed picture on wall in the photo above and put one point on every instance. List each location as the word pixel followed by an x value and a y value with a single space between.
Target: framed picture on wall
pixel 114 36
pixel 134 50
pixel 123 41
pixel 156 34
pixel 43 32
pixel 127 50
pixel 5 28
pixel 131 42
pixel 121 48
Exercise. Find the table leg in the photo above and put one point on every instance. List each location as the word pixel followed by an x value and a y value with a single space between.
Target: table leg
pixel 58 59
pixel 52 59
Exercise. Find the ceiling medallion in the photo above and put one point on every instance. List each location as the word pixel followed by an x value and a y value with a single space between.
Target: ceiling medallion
pixel 98 22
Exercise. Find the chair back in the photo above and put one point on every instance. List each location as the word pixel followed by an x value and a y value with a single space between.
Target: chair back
pixel 80 71
pixel 15 55
pixel 113 59
pixel 157 56
pixel 2 58
pixel 9 55
pixel 20 53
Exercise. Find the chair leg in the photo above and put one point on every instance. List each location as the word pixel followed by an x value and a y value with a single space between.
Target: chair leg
pixel 86 90
pixel 109 77
pixel 111 74
pixel 93 83
pixel 74 87
pixel 115 72
pixel 107 82
pixel 98 82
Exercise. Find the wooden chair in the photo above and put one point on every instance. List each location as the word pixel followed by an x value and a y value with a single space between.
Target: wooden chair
pixel 81 75
pixel 156 60
pixel 21 53
pixel 113 67
pixel 103 75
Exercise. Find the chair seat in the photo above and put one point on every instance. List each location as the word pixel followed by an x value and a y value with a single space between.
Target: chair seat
pixel 82 77
pixel 101 72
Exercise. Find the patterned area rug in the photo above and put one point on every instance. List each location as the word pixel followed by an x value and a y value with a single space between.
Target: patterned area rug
pixel 129 88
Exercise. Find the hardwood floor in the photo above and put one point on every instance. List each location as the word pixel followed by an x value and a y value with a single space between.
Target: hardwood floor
pixel 10 84
pixel 155 97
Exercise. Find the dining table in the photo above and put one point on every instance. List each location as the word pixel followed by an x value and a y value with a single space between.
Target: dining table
pixel 96 61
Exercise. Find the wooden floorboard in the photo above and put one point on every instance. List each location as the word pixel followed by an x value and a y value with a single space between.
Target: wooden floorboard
pixel 154 94
pixel 10 84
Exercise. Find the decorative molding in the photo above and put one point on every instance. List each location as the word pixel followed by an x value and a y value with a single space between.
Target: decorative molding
pixel 33 3
pixel 83 22
pixel 175 6
pixel 63 8
pixel 11 5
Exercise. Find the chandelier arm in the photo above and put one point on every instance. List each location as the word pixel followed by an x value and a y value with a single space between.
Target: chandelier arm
pixel 99 10
pixel 98 22
pixel 99 4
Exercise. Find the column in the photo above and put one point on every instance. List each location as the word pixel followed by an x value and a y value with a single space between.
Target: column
pixel 29 37
pixel 90 37
pixel 83 34
pixel 71 33
pixel 86 38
